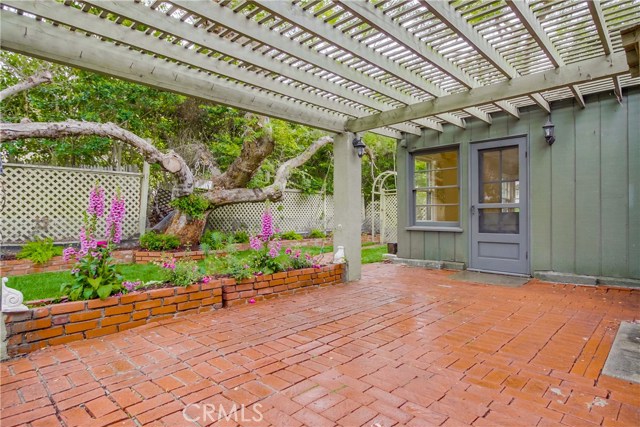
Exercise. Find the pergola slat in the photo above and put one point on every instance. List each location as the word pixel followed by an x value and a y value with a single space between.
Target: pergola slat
pixel 585 71
pixel 346 65
pixel 105 28
pixel 231 20
pixel 30 37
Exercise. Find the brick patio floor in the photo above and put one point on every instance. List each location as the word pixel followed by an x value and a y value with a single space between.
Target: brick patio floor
pixel 403 346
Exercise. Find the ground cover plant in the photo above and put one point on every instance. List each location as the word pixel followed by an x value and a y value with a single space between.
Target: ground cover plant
pixel 39 251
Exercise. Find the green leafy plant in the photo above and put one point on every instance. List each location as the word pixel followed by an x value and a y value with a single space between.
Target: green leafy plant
pixel 39 251
pixel 290 235
pixel 95 276
pixel 153 241
pixel 317 234
pixel 241 236
pixel 94 273
pixel 193 205
pixel 229 265
pixel 183 272
pixel 216 240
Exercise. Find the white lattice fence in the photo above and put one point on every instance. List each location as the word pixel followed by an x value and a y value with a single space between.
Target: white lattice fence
pixel 389 216
pixel 296 211
pixel 49 201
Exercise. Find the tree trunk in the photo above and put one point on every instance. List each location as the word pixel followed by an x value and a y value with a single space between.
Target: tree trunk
pixel 188 230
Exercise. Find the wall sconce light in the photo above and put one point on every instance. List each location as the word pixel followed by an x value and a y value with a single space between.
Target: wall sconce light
pixel 358 145
pixel 548 131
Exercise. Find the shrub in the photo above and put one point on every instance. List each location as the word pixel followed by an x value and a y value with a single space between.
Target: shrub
pixel 317 234
pixel 39 251
pixel 193 206
pixel 241 236
pixel 153 241
pixel 290 235
pixel 215 240
pixel 183 272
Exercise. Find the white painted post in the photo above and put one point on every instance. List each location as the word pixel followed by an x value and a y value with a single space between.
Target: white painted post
pixel 144 198
pixel 347 198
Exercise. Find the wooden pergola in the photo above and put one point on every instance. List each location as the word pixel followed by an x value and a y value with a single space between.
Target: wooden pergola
pixel 387 66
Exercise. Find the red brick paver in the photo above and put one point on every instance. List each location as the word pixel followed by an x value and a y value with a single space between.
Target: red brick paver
pixel 403 346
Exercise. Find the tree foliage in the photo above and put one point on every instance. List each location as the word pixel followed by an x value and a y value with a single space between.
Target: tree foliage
pixel 168 120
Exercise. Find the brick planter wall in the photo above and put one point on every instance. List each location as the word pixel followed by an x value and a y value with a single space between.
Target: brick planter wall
pixel 77 320
pixel 71 321
pixel 19 267
pixel 145 257
pixel 285 283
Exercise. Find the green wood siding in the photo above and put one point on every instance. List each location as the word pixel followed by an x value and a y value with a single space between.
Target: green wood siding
pixel 585 189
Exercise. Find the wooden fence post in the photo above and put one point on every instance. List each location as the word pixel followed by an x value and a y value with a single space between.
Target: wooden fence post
pixel 144 198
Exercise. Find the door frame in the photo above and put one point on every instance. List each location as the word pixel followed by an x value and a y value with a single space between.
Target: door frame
pixel 470 183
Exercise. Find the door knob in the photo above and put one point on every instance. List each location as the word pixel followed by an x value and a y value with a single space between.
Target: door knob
pixel 473 209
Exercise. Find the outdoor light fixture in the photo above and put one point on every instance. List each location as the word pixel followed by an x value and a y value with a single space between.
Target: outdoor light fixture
pixel 548 131
pixel 359 145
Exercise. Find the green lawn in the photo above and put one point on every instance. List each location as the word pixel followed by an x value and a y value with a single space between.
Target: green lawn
pixel 47 285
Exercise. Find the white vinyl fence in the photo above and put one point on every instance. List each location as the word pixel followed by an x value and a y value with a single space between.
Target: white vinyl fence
pixel 49 201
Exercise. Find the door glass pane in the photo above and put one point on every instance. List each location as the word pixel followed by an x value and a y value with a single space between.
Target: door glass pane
pixel 490 193
pixel 490 161
pixel 510 164
pixel 511 192
pixel 497 220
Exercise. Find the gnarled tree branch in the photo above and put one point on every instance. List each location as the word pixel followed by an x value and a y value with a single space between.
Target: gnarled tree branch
pixel 33 81
pixel 171 162
pixel 273 192
pixel 258 145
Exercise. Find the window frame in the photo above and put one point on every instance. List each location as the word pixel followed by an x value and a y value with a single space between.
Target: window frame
pixel 415 224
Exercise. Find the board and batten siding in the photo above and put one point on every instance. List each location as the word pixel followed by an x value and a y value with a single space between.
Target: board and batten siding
pixel 584 189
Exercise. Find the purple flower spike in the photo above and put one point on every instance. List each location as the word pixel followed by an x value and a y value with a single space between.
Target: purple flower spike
pixel 96 201
pixel 267 225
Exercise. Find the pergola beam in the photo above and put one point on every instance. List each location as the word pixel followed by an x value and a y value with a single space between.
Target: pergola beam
pixel 580 72
pixel 521 9
pixel 29 37
pixel 466 31
pixel 601 26
pixel 508 108
pixel 542 103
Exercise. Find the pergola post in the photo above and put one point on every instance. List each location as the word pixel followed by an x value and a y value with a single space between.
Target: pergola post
pixel 347 196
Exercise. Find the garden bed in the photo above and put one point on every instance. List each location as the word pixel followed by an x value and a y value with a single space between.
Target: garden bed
pixel 72 321
pixel 19 267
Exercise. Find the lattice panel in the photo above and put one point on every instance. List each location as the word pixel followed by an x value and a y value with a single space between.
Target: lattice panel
pixel 372 215
pixel 48 201
pixel 389 214
pixel 296 211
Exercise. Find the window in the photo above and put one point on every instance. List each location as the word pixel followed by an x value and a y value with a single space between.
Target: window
pixel 436 188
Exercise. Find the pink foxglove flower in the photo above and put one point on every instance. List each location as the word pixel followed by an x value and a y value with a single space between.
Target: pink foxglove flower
pixel 96 201
pixel 68 253
pixel 255 243
pixel 267 225
pixel 288 251
pixel 115 219
pixel 273 252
